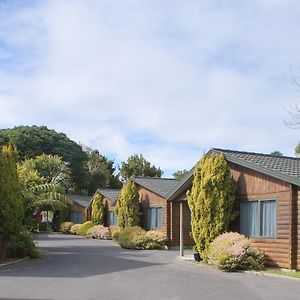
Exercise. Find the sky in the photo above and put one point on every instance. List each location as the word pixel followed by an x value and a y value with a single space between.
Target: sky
pixel 169 79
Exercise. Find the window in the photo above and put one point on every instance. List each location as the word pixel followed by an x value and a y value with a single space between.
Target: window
pixel 258 218
pixel 112 218
pixel 154 217
pixel 189 218
pixel 76 217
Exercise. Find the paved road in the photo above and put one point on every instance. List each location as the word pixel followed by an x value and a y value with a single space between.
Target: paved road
pixel 77 268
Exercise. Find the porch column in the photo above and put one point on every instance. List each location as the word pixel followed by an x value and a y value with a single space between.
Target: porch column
pixel 181 230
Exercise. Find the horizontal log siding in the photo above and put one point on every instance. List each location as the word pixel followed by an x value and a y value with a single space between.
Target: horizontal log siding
pixel 296 242
pixel 175 224
pixel 75 207
pixel 254 185
pixel 148 198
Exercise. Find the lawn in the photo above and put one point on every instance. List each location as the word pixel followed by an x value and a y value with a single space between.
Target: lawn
pixel 294 274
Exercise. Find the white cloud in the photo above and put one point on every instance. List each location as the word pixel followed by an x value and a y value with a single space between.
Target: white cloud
pixel 165 79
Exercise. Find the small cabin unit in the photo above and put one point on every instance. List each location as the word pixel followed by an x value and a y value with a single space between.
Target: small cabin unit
pixel 267 197
pixel 110 197
pixel 78 208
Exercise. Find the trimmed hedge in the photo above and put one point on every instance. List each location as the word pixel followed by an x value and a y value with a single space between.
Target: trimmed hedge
pixel 137 238
pixel 83 228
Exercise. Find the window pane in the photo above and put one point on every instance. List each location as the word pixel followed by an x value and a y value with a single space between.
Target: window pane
pixel 189 218
pixel 114 218
pixel 158 217
pixel 111 220
pixel 73 217
pixel 248 218
pixel 79 217
pixel 150 217
pixel 268 218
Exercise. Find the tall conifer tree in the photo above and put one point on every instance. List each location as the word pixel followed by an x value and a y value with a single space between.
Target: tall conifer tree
pixel 98 210
pixel 128 208
pixel 11 204
pixel 211 200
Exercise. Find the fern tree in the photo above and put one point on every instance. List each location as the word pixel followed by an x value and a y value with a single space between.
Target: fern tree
pixel 44 180
pixel 211 200
pixel 128 207
pixel 98 210
pixel 11 204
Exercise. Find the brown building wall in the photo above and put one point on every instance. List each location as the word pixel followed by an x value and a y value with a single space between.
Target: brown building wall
pixel 175 223
pixel 75 207
pixel 108 207
pixel 252 185
pixel 296 231
pixel 148 198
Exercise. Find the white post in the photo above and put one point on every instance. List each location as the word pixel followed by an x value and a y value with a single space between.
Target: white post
pixel 181 230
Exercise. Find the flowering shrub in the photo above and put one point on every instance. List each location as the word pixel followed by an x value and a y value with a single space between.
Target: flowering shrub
pixel 155 239
pixel 66 226
pixel 74 228
pixel 83 228
pixel 233 251
pixel 137 238
pixel 99 232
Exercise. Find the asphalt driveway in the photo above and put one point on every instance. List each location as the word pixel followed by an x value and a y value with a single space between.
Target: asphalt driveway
pixel 72 267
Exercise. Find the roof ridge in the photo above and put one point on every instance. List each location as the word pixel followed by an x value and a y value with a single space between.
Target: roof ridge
pixel 108 189
pixel 149 177
pixel 254 153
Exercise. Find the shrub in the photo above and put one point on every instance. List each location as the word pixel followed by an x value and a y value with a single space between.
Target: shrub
pixel 128 207
pixel 132 238
pixel 83 228
pixel 98 210
pixel 211 200
pixel 11 204
pixel 22 245
pixel 137 238
pixel 115 235
pixel 233 251
pixel 99 232
pixel 66 226
pixel 74 228
pixel 155 239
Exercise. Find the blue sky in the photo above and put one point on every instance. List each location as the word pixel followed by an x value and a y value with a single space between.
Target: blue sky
pixel 168 79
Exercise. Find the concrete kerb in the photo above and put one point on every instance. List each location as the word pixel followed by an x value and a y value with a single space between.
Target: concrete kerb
pixel 13 262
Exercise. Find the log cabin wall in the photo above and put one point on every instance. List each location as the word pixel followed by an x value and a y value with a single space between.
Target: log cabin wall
pixel 147 199
pixel 175 222
pixel 252 185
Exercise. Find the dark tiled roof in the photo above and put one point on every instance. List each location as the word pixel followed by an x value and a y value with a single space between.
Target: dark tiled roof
pixel 160 186
pixel 80 199
pixel 182 185
pixel 110 194
pixel 281 167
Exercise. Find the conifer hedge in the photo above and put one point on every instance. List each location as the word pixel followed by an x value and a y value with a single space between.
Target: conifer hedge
pixel 98 210
pixel 11 204
pixel 128 208
pixel 211 200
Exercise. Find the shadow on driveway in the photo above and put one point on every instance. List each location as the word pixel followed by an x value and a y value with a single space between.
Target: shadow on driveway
pixel 77 257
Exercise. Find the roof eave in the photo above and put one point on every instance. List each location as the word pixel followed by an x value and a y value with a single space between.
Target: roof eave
pixel 262 170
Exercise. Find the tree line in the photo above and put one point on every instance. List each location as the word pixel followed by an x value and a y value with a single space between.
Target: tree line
pixel 81 169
